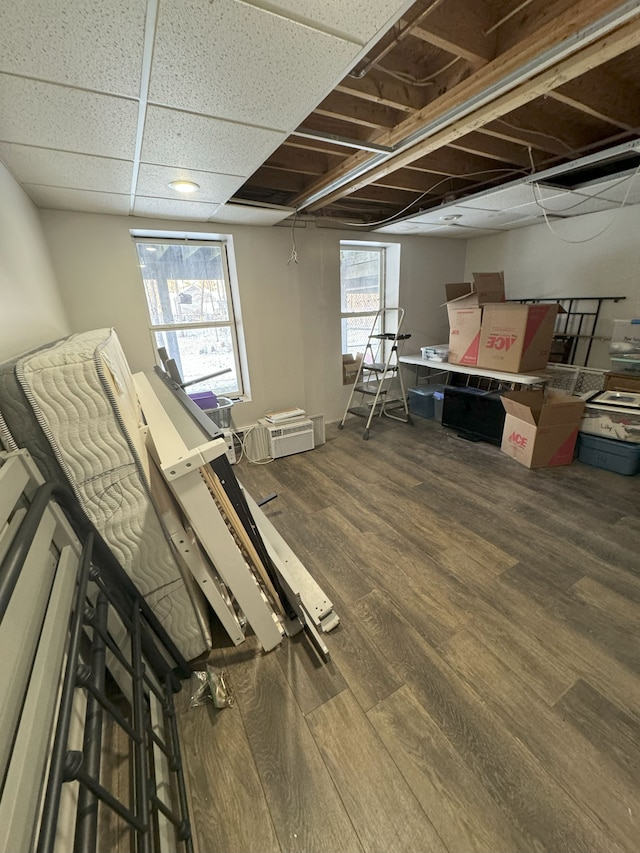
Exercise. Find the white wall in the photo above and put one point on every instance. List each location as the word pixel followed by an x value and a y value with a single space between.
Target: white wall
pixel 570 261
pixel 290 312
pixel 31 310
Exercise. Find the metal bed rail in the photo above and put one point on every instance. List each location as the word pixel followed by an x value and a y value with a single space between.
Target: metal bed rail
pixel 81 652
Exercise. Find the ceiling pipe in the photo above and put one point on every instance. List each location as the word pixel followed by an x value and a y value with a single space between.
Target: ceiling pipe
pixel 547 58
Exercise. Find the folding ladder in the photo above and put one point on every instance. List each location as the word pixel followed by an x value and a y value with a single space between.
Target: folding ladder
pixel 378 371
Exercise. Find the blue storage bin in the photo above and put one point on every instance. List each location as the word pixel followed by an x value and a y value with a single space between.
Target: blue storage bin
pixel 610 454
pixel 422 400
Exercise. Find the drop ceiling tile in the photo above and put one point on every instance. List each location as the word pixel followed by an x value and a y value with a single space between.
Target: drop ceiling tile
pixel 249 214
pixel 464 233
pixel 625 190
pixel 164 208
pixel 512 196
pixel 359 20
pixel 90 45
pixel 438 214
pixel 571 204
pixel 57 198
pixel 172 138
pixel 48 116
pixel 154 181
pixel 64 169
pixel 230 60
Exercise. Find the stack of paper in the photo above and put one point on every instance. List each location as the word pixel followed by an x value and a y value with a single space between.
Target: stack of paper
pixel 285 415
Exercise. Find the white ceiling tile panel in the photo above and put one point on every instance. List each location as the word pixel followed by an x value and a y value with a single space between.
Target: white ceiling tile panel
pixel 173 138
pixel 278 75
pixel 64 169
pixel 57 198
pixel 164 208
pixel 48 116
pixel 359 20
pixel 154 181
pixel 570 204
pixel 246 214
pixel 627 190
pixel 92 45
pixel 512 196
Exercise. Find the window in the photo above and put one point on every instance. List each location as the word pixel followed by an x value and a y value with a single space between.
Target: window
pixel 191 309
pixel 362 286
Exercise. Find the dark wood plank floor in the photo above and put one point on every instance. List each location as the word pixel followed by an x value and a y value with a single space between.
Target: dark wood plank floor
pixel 484 687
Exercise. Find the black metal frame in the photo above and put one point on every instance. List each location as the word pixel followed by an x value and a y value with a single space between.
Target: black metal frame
pixel 153 665
pixel 575 324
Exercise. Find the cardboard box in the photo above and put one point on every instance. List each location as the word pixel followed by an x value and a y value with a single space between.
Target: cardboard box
pixel 464 334
pixel 486 287
pixel 350 366
pixel 541 430
pixel 517 338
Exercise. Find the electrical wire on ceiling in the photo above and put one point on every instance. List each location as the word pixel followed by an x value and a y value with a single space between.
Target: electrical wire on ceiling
pixel 422 195
pixel 294 252
pixel 616 213
pixel 535 133
pixel 407 78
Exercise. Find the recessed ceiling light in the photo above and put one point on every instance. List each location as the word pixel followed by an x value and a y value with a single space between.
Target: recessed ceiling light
pixel 184 186
pixel 451 217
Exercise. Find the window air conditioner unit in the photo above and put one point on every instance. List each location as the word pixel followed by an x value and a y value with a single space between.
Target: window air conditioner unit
pixel 290 438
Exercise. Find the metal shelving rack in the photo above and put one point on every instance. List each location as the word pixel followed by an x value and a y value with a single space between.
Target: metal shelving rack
pixel 576 326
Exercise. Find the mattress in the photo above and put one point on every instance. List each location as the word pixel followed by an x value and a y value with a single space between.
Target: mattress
pixel 72 404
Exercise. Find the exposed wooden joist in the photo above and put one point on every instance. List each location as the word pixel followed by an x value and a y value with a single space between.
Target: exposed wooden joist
pixel 466 39
pixel 492 148
pixel 448 161
pixel 536 140
pixel 308 162
pixel 291 182
pixel 624 38
pixel 413 179
pixel 354 111
pixel 379 88
pixel 603 98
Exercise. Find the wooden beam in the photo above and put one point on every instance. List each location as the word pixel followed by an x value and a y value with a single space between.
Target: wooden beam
pixel 571 67
pixel 352 111
pixel 449 161
pixel 380 88
pixel 458 27
pixel 606 98
pixel 506 131
pixel 306 161
pixel 492 148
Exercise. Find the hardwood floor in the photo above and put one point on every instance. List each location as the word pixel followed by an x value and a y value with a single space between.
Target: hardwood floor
pixel 484 687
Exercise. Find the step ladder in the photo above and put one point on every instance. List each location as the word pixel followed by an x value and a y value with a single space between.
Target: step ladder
pixel 379 376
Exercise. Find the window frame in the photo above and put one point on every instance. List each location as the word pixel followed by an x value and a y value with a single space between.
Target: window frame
pixel 231 323
pixel 381 250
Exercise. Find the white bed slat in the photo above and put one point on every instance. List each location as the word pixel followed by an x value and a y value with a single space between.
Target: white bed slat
pixel 14 479
pixel 22 793
pixel 20 630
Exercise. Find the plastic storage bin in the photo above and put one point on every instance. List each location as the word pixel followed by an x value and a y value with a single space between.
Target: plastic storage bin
pixel 438 403
pixel 221 415
pixel 204 399
pixel 422 400
pixel 618 456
